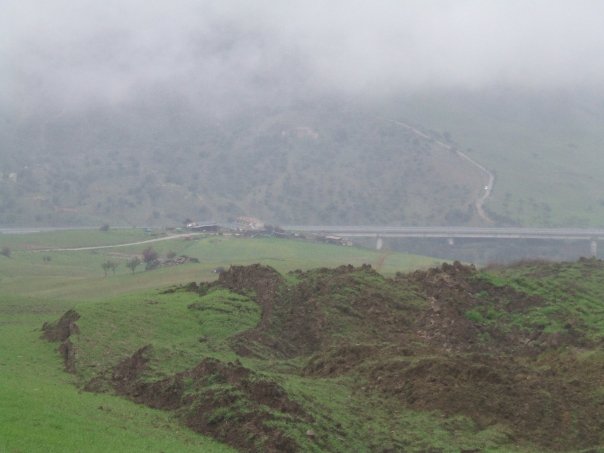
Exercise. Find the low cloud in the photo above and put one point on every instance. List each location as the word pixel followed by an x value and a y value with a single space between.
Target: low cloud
pixel 69 52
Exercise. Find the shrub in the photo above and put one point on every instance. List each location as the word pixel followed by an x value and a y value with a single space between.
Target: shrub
pixel 149 255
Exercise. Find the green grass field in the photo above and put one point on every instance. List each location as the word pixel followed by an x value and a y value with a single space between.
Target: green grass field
pixel 41 409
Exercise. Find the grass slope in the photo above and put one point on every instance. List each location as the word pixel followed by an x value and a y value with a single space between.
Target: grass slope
pixel 78 274
pixel 42 410
pixel 449 359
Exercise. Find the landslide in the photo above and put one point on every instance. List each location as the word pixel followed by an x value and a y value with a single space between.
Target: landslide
pixel 412 338
pixel 227 401
pixel 451 340
pixel 60 332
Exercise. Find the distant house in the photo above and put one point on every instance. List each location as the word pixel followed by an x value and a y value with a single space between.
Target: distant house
pixel 205 228
pixel 250 223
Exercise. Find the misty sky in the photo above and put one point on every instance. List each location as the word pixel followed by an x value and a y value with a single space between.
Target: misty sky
pixel 68 52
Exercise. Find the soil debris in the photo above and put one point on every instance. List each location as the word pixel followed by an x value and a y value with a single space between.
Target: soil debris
pixel 224 400
pixel 446 341
pixel 61 332
pixel 63 328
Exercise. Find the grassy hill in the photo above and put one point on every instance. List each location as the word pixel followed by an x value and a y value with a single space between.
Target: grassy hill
pixel 42 410
pixel 344 358
pixel 449 359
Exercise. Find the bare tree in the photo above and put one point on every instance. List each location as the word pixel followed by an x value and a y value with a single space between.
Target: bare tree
pixel 133 263
pixel 109 266
pixel 106 266
pixel 149 255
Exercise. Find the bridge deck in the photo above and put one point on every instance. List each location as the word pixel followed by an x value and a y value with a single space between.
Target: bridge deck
pixel 454 232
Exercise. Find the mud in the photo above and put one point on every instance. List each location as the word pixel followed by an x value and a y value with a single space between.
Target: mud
pixel 291 322
pixel 61 331
pixel 63 328
pixel 536 403
pixel 302 319
pixel 339 360
pixel 224 400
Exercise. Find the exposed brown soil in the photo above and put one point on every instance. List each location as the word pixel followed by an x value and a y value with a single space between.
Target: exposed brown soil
pixel 291 321
pixel 453 290
pixel 482 372
pixel 302 318
pixel 60 331
pixel 339 360
pixel 224 400
pixel 63 328
pixel 548 407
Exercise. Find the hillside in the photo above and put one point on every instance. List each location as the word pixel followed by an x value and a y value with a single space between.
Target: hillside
pixel 543 146
pixel 159 160
pixel 446 359
pixel 146 163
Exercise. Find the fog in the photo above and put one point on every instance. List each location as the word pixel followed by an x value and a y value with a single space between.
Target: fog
pixel 68 53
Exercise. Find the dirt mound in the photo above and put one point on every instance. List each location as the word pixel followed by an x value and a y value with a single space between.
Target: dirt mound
pixel 263 280
pixel 224 400
pixel 291 323
pixel 339 360
pixel 63 328
pixel 536 403
pixel 60 331
pixel 454 292
pixel 129 370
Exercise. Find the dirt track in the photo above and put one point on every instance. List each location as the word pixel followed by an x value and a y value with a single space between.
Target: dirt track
pixel 98 247
pixel 490 176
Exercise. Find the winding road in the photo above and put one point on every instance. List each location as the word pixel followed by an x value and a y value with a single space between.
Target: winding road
pixel 490 177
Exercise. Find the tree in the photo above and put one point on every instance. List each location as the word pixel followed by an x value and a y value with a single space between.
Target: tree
pixel 106 266
pixel 149 255
pixel 6 251
pixel 109 265
pixel 133 263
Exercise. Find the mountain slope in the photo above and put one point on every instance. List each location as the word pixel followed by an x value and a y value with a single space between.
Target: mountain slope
pixel 321 163
pixel 324 160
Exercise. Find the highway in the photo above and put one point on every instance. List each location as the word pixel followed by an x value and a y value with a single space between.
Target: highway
pixel 451 232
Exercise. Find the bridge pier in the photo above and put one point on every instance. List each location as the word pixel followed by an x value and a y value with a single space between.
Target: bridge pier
pixel 593 248
pixel 379 243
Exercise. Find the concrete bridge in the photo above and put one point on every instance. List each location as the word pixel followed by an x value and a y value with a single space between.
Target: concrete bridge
pixel 451 233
